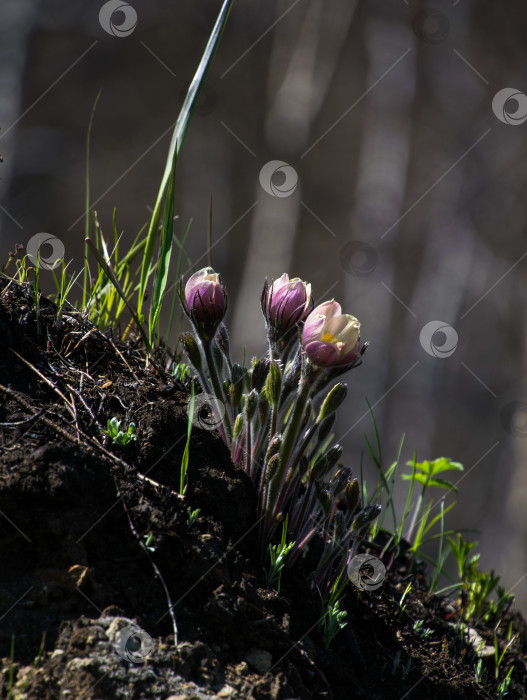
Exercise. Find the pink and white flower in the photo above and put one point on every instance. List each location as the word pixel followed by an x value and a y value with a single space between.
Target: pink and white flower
pixel 331 338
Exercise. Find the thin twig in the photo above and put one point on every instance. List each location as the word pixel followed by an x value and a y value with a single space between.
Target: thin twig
pixel 114 346
pixel 152 562
pixel 26 420
pixel 63 432
pixel 48 381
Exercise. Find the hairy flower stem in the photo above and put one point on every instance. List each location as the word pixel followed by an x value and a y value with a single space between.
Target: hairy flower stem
pixel 216 385
pixel 248 450
pixel 288 444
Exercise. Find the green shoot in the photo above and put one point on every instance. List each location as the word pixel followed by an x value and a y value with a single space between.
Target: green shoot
pixel 193 516
pixel 86 275
pixel 118 436
pixel 425 473
pixel 180 371
pixel 498 658
pixel 63 289
pixel 406 591
pixel 165 253
pixel 148 542
pixel 178 137
pixel 278 554
pixel 185 458
pixel 332 619
pixel 423 632
pixel 503 686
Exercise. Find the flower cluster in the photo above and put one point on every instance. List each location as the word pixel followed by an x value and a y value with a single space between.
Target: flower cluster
pixel 277 416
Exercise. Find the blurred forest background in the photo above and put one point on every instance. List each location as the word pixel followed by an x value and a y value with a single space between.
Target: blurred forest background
pixel 410 205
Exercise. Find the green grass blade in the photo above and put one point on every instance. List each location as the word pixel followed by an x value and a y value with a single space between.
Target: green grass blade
pixel 178 137
pixel 86 276
pixel 164 256
pixel 184 459
pixel 175 295
pixel 111 276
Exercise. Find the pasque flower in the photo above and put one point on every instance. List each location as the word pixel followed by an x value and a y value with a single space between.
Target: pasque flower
pixel 331 338
pixel 285 302
pixel 206 299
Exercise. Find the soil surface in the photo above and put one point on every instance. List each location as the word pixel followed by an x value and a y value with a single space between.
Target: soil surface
pixel 101 569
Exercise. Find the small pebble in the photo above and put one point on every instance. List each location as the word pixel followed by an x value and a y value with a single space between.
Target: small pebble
pixel 260 660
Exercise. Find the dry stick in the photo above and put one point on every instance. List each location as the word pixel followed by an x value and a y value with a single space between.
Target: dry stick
pixel 48 381
pixel 66 362
pixel 114 346
pixel 154 565
pixel 86 335
pixel 76 417
pixel 91 441
pixel 26 420
pixel 64 433
pixel 82 400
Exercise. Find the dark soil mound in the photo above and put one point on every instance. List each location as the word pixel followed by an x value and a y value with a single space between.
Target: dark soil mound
pixel 95 539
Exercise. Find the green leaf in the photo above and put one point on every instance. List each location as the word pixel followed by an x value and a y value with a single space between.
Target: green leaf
pixel 178 137
pixel 165 254
pixel 105 264
pixel 442 464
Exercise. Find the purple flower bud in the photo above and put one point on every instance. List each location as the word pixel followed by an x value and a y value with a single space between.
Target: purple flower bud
pixel 206 300
pixel 331 338
pixel 286 302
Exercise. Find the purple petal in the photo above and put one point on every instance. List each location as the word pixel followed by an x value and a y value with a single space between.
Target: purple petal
pixel 313 326
pixel 323 354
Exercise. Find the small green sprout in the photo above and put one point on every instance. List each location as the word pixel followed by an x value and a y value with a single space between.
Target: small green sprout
pixel 332 622
pixel 278 553
pixel 184 459
pixel 118 436
pixel 425 473
pixel 406 591
pixel 478 669
pixel 180 371
pixel 423 632
pixel 498 658
pixel 193 515
pixel 148 542
pixel 477 585
pixel 332 619
pixel 503 686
